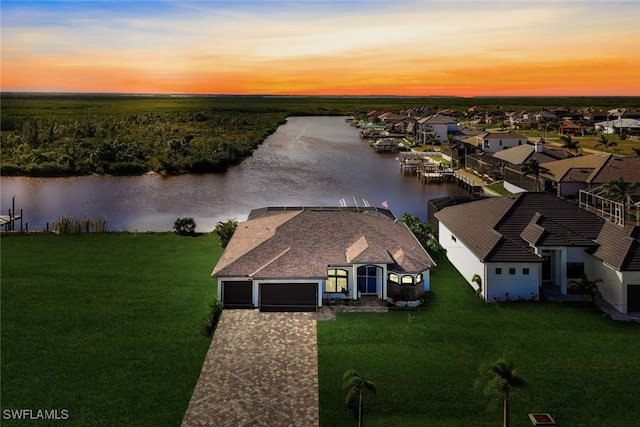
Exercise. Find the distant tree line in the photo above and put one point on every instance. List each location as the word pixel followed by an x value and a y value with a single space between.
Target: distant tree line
pixel 129 144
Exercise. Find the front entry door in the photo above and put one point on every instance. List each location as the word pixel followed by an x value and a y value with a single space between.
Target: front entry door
pixel 368 279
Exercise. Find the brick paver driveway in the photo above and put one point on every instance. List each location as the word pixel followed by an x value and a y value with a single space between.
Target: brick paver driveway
pixel 261 370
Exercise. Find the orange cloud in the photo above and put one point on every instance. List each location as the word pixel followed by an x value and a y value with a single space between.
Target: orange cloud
pixel 421 48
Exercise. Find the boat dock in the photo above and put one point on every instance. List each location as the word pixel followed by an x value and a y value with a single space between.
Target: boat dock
pixel 431 171
pixel 8 220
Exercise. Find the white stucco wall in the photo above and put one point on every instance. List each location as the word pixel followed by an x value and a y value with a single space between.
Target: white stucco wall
pixel 461 257
pixel 518 284
pixel 495 146
pixel 569 189
pixel 513 188
pixel 614 283
pixel 611 288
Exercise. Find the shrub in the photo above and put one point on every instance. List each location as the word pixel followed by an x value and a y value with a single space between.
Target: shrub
pixel 185 226
pixel 210 321
pixel 8 169
pixel 126 168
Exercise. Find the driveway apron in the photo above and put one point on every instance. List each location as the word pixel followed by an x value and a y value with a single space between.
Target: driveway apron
pixel 261 370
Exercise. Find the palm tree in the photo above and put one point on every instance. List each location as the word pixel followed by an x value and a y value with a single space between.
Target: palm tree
pixel 569 143
pixel 532 167
pixel 606 143
pixel 356 386
pixel 617 189
pixel 225 230
pixel 500 379
pixel 586 287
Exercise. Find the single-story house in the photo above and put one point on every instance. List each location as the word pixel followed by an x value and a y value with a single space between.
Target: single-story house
pixel 510 247
pixel 293 259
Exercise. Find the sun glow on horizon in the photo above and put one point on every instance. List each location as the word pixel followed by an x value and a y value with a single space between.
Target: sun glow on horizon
pixel 323 48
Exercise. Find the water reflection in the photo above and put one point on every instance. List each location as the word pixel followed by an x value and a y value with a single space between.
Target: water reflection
pixel 308 161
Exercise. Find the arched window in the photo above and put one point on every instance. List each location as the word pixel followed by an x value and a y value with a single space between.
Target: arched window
pixel 337 280
pixel 407 280
pixel 419 278
pixel 393 277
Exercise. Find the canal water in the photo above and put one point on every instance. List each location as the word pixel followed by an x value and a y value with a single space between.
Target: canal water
pixel 309 161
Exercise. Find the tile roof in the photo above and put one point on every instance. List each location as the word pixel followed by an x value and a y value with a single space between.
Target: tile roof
pixel 473 223
pixel 619 246
pixel 515 155
pixel 286 244
pixel 438 119
pixel 627 168
pixel 594 169
pixel 522 153
pixel 505 228
pixel 558 170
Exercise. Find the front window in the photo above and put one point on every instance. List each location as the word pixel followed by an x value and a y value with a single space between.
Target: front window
pixel 575 270
pixel 393 277
pixel 337 280
pixel 407 280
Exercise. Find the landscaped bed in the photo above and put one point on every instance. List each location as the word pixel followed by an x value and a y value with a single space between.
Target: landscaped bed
pixel 104 326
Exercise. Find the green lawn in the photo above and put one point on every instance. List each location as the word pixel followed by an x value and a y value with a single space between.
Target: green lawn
pixel 498 187
pixel 579 365
pixel 105 326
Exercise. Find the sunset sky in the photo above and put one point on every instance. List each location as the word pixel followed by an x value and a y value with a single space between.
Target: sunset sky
pixel 462 48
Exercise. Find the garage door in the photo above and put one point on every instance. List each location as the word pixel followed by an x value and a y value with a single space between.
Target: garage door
pixel 288 296
pixel 633 297
pixel 237 294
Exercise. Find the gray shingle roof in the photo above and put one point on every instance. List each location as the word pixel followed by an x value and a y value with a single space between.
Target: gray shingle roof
pixel 300 244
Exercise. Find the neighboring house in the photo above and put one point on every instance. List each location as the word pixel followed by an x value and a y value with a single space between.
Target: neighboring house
pixel 571 128
pixel 595 114
pixel 373 115
pixel 491 142
pixel 437 125
pixel 514 158
pixel 544 115
pixel 523 153
pixel 291 259
pixel 518 244
pixel 618 125
pixel 565 178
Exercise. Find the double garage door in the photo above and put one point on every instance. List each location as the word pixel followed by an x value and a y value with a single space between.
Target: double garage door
pixel 272 296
